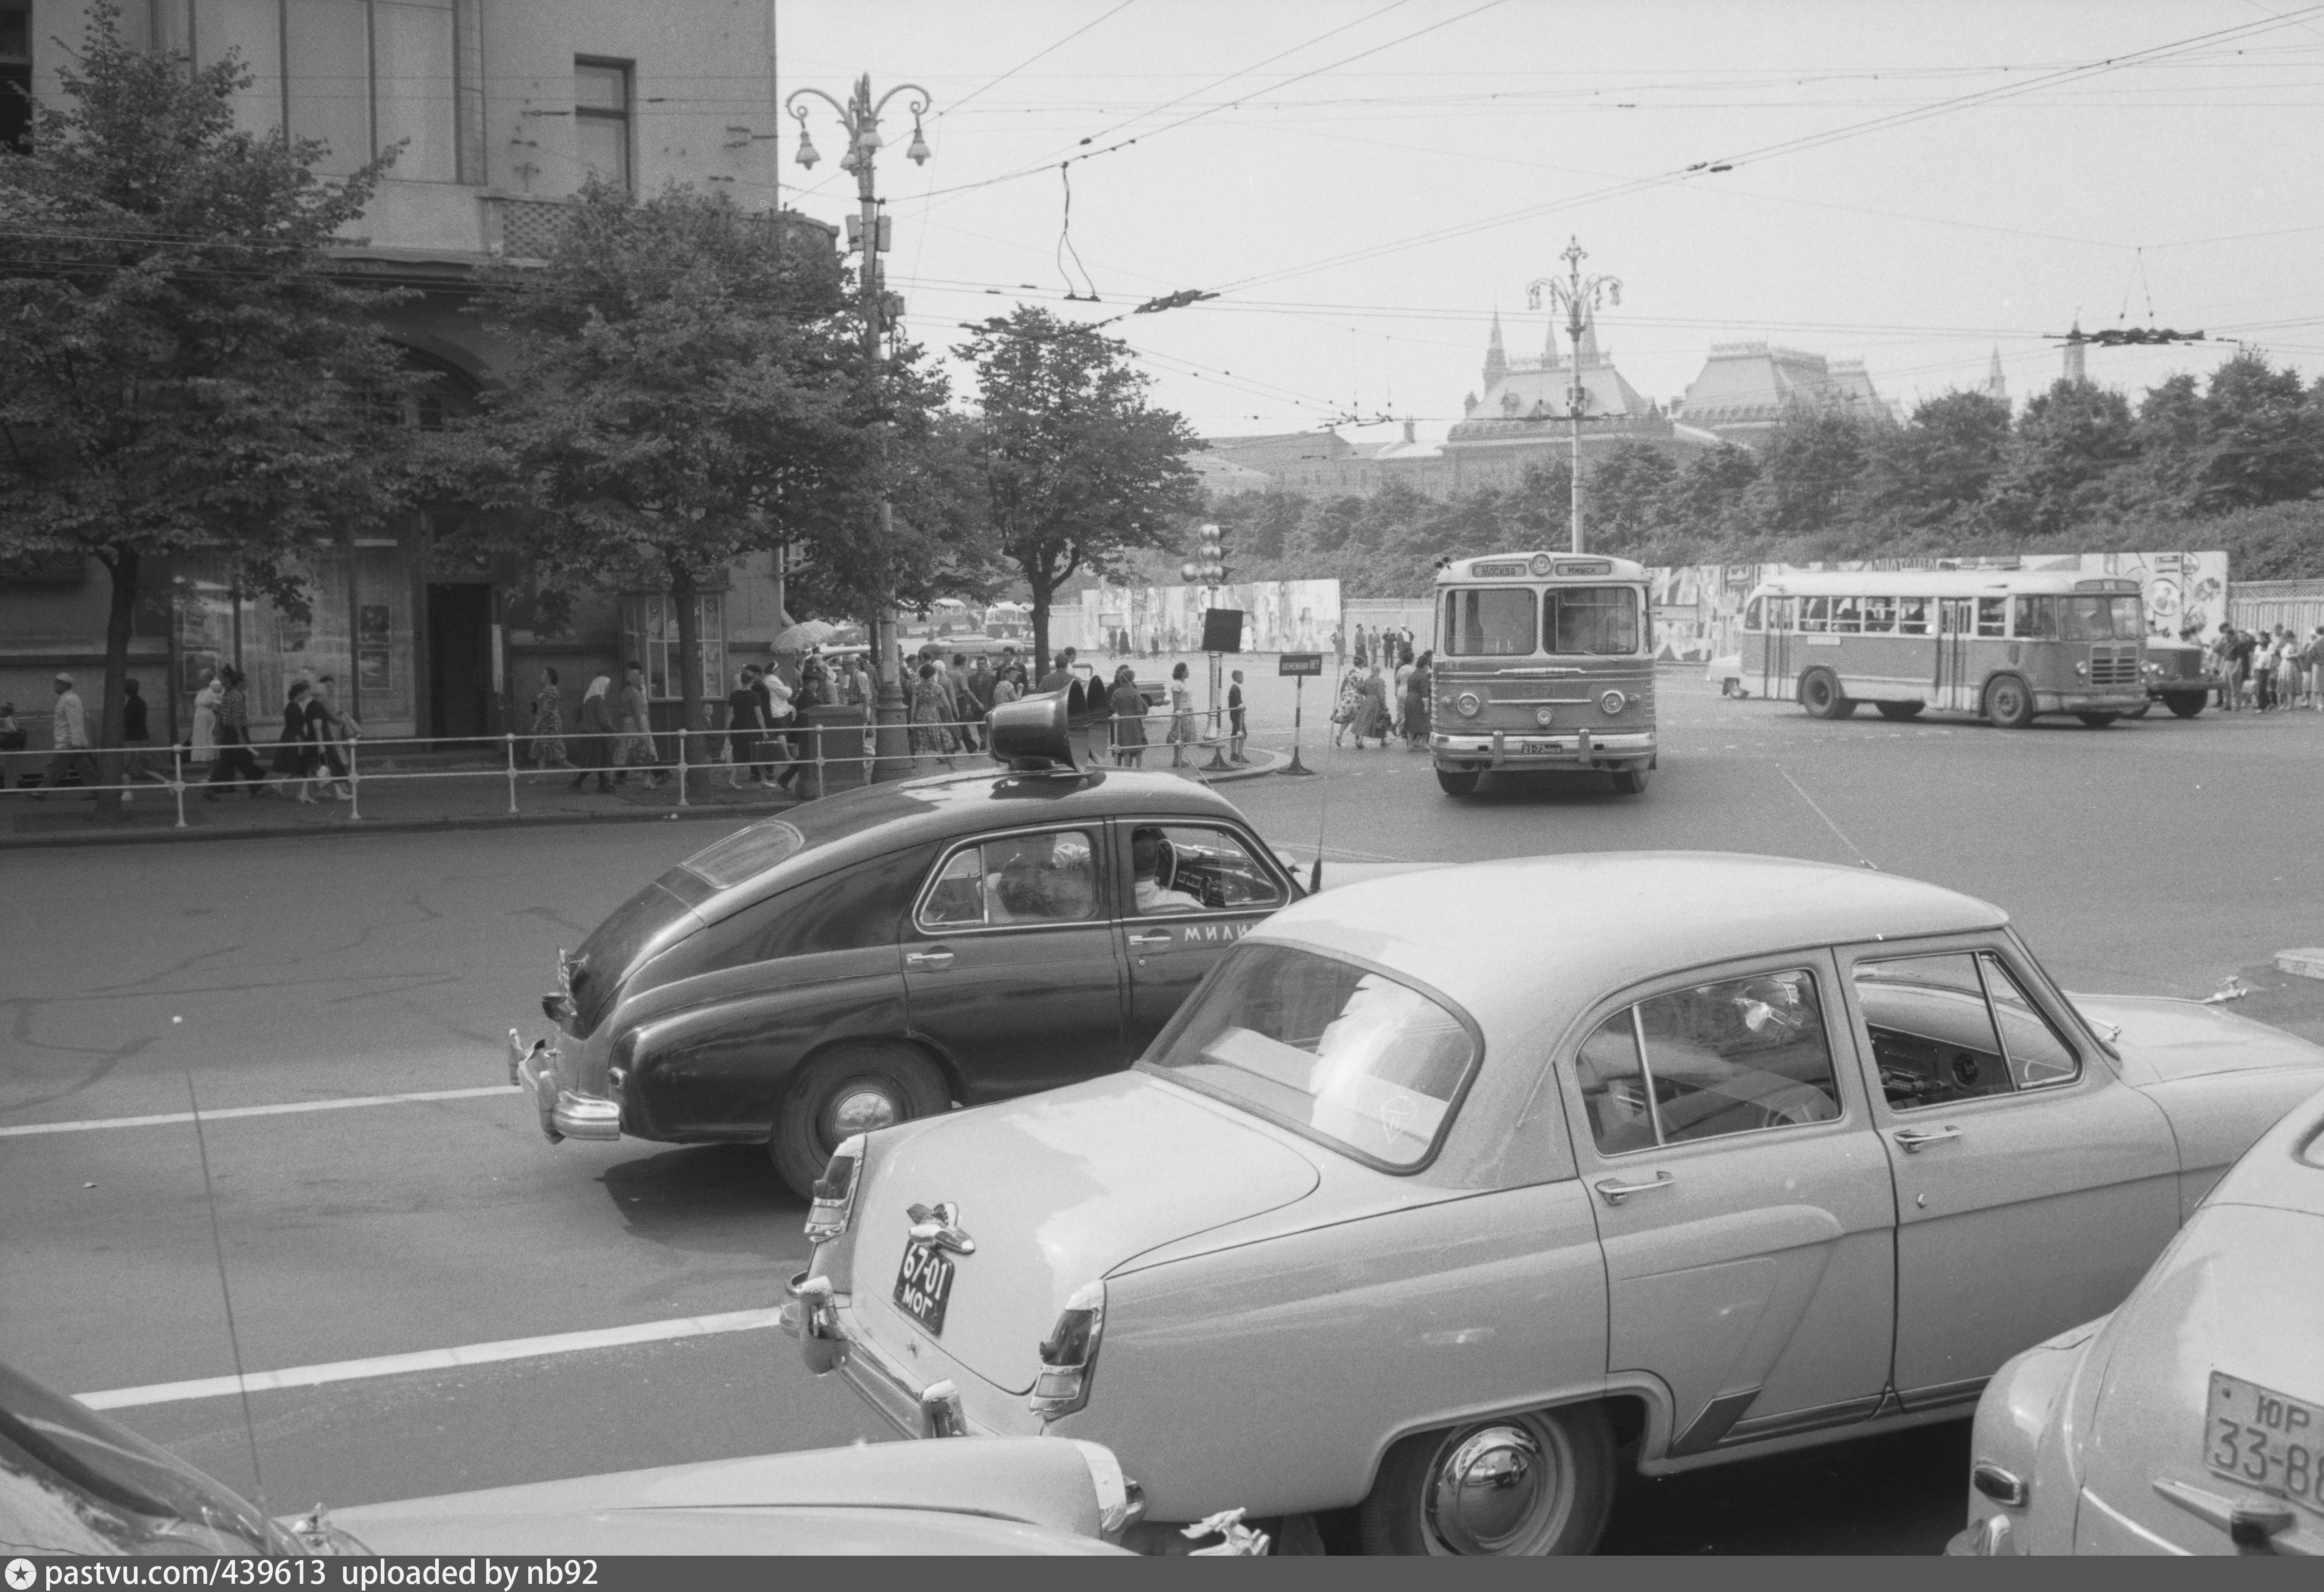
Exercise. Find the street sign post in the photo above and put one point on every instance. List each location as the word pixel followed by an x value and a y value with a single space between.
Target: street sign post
pixel 1298 666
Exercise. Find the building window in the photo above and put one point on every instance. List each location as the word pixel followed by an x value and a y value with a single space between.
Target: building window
pixel 361 76
pixel 601 121
pixel 650 638
pixel 16 75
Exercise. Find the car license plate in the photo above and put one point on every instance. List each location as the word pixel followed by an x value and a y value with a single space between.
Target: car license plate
pixel 1536 748
pixel 2266 1439
pixel 924 1285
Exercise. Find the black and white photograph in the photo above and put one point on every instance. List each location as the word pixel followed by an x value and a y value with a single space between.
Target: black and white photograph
pixel 835 994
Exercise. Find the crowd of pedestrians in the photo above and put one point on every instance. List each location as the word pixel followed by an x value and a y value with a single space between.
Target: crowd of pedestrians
pixel 1384 692
pixel 2263 670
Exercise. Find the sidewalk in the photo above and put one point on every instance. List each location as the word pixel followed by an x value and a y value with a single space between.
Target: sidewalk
pixel 433 799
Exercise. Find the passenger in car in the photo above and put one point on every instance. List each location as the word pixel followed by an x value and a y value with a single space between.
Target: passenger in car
pixel 1148 891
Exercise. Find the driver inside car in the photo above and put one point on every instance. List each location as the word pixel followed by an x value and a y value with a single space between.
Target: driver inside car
pixel 1151 895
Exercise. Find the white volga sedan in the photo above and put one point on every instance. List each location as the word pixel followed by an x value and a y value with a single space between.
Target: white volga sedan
pixel 2192 1420
pixel 1445 1189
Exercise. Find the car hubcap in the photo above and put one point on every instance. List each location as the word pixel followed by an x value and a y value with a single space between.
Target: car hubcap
pixel 862 1110
pixel 1497 1490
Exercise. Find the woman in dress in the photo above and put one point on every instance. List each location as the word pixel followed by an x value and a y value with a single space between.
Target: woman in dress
pixel 299 752
pixel 1181 715
pixel 1371 709
pixel 549 724
pixel 205 702
pixel 592 749
pixel 931 706
pixel 1401 690
pixel 1416 688
pixel 1343 707
pixel 1128 704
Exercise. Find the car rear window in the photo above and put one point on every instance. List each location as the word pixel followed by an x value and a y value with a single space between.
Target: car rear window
pixel 746 854
pixel 1330 1049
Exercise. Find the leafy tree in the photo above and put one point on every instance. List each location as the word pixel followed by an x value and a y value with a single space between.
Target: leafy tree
pixel 1625 506
pixel 1937 467
pixel 185 375
pixel 1707 499
pixel 689 391
pixel 2071 444
pixel 1809 473
pixel 1073 469
pixel 2261 443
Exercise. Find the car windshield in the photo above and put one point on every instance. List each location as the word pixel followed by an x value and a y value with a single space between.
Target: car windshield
pixel 72 1481
pixel 1325 1047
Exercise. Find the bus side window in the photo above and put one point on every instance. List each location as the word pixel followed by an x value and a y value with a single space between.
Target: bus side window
pixel 1848 615
pixel 1879 616
pixel 1751 616
pixel 1912 616
pixel 1779 613
pixel 1992 616
pixel 2037 617
pixel 1815 614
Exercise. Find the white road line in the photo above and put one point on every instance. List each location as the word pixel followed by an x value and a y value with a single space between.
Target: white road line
pixel 431 1359
pixel 28 1129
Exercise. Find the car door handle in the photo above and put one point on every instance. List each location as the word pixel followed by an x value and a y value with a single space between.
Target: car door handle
pixel 1616 1192
pixel 930 960
pixel 1914 1138
pixel 1152 939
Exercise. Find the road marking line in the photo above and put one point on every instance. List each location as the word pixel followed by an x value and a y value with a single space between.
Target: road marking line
pixel 432 1359
pixel 169 1117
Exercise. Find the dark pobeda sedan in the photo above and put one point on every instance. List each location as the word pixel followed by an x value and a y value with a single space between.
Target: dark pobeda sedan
pixel 881 954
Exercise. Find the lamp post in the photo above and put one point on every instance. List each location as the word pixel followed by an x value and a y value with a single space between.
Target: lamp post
pixel 861 118
pixel 1579 295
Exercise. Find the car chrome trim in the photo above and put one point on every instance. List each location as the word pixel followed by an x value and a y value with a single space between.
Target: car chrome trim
pixel 1916 1139
pixel 834 1205
pixel 939 1225
pixel 2254 1525
pixel 2003 1486
pixel 940 1412
pixel 1940 1395
pixel 1705 1430
pixel 585 1116
pixel 1616 1192
pixel 1121 1501
pixel 1846 1412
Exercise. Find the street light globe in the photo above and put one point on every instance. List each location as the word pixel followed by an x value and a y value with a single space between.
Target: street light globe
pixel 1190 572
pixel 918 153
pixel 807 155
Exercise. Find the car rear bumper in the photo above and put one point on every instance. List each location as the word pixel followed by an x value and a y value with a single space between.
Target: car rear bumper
pixel 911 1403
pixel 1548 748
pixel 563 1113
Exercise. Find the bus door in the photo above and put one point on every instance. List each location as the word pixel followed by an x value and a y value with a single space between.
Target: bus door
pixel 1956 623
pixel 1775 657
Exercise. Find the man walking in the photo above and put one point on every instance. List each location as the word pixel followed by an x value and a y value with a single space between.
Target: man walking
pixel 69 744
pixel 637 744
pixel 232 760
pixel 1235 732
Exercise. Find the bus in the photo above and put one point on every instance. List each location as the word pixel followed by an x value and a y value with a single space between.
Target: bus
pixel 2007 645
pixel 1543 661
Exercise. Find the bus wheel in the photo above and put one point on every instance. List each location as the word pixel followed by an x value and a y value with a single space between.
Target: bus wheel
pixel 1899 710
pixel 1820 694
pixel 1632 781
pixel 2008 704
pixel 2098 721
pixel 2185 703
pixel 1457 781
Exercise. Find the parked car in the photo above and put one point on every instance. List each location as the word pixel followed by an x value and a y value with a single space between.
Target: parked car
pixel 75 1482
pixel 2191 1420
pixel 2179 676
pixel 883 953
pixel 1446 1188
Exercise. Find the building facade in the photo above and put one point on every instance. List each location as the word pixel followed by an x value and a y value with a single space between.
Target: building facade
pixel 499 110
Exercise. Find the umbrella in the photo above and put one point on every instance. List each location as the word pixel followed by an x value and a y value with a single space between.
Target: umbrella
pixel 798 638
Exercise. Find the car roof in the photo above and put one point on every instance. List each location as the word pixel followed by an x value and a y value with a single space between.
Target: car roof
pixel 1944 583
pixel 1532 941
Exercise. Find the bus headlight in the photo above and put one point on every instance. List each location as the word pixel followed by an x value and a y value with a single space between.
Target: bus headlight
pixel 1613 702
pixel 1469 704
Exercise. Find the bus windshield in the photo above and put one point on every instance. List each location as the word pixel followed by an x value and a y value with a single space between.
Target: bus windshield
pixel 2081 619
pixel 1489 622
pixel 1500 622
pixel 1600 621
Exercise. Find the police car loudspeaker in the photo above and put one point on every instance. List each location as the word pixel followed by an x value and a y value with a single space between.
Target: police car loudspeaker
pixel 1033 735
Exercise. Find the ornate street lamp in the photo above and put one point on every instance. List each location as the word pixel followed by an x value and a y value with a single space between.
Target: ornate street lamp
pixel 1579 295
pixel 861 118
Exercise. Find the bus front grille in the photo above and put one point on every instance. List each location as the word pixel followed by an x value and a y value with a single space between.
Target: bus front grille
pixel 2114 665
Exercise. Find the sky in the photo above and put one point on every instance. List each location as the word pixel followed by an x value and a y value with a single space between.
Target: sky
pixel 1365 183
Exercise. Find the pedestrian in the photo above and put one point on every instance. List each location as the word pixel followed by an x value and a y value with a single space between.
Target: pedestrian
pixel 637 744
pixel 1236 732
pixel 548 723
pixel 1401 688
pixel 776 700
pixel 296 753
pixel 744 724
pixel 1008 686
pixel 68 742
pixel 234 759
pixel 2290 668
pixel 963 703
pixel 1344 705
pixel 1338 649
pixel 980 681
pixel 1363 658
pixel 1372 709
pixel 2263 671
pixel 1127 704
pixel 2245 645
pixel 205 735
pixel 340 731
pixel 14 738
pixel 2316 670
pixel 1182 730
pixel 594 749
pixel 931 706
pixel 2223 664
pixel 1417 688
pixel 136 742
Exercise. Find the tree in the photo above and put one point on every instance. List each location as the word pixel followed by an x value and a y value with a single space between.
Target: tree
pixel 185 376
pixel 1809 473
pixel 689 391
pixel 1625 506
pixel 1936 468
pixel 1074 468
pixel 2261 443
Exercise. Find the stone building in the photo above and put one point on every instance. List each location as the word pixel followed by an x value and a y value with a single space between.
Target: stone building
pixel 1744 390
pixel 503 107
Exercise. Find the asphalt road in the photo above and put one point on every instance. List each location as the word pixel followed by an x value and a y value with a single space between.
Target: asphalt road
pixel 2156 856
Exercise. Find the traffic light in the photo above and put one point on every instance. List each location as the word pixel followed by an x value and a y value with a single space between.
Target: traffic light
pixel 1208 565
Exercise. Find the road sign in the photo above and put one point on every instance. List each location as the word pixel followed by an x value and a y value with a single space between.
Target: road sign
pixel 1299 663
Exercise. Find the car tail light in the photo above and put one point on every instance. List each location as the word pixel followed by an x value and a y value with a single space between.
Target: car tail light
pixel 835 1192
pixel 1069 1355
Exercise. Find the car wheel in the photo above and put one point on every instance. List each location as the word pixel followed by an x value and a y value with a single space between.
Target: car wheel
pixel 1457 781
pixel 2098 721
pixel 2008 704
pixel 847 1090
pixel 1821 694
pixel 1899 710
pixel 1632 781
pixel 1534 1483
pixel 2186 705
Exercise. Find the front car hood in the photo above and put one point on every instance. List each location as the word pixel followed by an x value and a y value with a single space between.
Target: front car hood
pixel 973 1496
pixel 1055 1191
pixel 2163 1040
